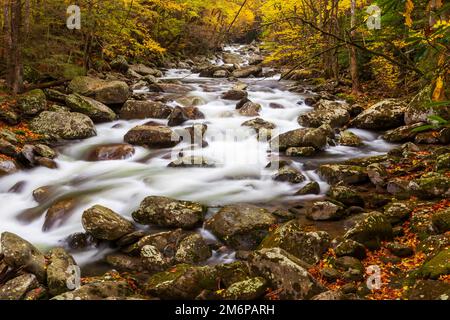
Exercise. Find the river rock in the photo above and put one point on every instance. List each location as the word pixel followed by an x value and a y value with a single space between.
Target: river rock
pixel 167 212
pixel 347 174
pixel 136 109
pixel 175 88
pixel 402 134
pixel 166 242
pixel 289 174
pixel 249 289
pixel 152 259
pixel 437 266
pixel 307 246
pixel 32 102
pixel 231 58
pixel 399 249
pixel 417 112
pixel 143 70
pixel 378 175
pixel 234 95
pixel 386 114
pixel 257 124
pixel 107 92
pixel 98 291
pixel 325 111
pixel 192 162
pixel 60 271
pixel 241 226
pixel 59 212
pixel 105 224
pixel 348 138
pixel 117 151
pixel 8 167
pixel 325 210
pixel 345 195
pixel 371 230
pixel 125 263
pixel 300 151
pixel 285 272
pixel 63 125
pixel 304 137
pixel 352 269
pixel 19 253
pixel 250 109
pixel 190 101
pixel 428 290
pixel 95 110
pixel 310 188
pixel 152 136
pixel 120 64
pixel 431 185
pixel 246 72
pixel 350 248
pixel 192 249
pixel 16 288
pixel 398 211
pixel 177 117
pixel 441 220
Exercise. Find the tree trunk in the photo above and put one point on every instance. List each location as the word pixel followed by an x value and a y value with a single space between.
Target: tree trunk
pixel 353 57
pixel 14 66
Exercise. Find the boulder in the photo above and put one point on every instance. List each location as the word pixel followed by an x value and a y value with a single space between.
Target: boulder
pixel 257 124
pixel 241 226
pixel 325 210
pixel 286 273
pixel 348 138
pixel 402 134
pixel 441 220
pixel 177 117
pixel 234 95
pixel 350 248
pixel 105 224
pixel 437 266
pixel 289 174
pixel 135 109
pixel 143 70
pixel 347 174
pixel 63 125
pixel 371 230
pixel 98 291
pixel 60 271
pixel 8 167
pixel 190 101
pixel 167 212
pixel 246 72
pixel 152 136
pixel 192 249
pixel 310 188
pixel 308 246
pixel 32 102
pixel 398 211
pixel 19 253
pixel 152 259
pixel 431 185
pixel 345 195
pixel 400 250
pixel 191 162
pixel 231 58
pixel 249 289
pixel 95 110
pixel 386 114
pixel 120 64
pixel 117 151
pixel 325 111
pixel 107 92
pixel 250 109
pixel 304 137
pixel 300 151
pixel 428 290
pixel 16 288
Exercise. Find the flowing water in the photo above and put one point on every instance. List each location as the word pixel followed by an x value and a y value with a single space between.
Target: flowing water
pixel 239 176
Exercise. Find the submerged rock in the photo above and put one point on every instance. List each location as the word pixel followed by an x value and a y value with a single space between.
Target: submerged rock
pixel 63 125
pixel 105 224
pixel 241 226
pixel 167 212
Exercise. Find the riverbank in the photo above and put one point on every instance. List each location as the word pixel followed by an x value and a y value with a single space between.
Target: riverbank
pixel 219 228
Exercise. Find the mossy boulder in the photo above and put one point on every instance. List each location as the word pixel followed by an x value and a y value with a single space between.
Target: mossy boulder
pixel 437 266
pixel 346 195
pixel 441 220
pixel 20 254
pixel 307 246
pixel 16 288
pixel 300 151
pixel 60 270
pixel 325 111
pixel 350 248
pixel 136 109
pixel 402 134
pixel 286 273
pixel 63 125
pixel 250 289
pixel 386 114
pixel 105 224
pixel 310 188
pixel 428 290
pixel 192 249
pixel 289 174
pixel 431 185
pixel 398 211
pixel 347 174
pixel 107 92
pixel 98 291
pixel 241 226
pixel 32 102
pixel 371 230
pixel 325 210
pixel 95 110
pixel 348 138
pixel 167 212
pixel 443 161
pixel 303 137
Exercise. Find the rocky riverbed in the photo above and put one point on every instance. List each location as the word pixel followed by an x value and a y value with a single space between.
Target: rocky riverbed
pixel 211 179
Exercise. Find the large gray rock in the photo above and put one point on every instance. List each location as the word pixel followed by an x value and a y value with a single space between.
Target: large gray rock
pixel 241 226
pixel 192 249
pixel 105 224
pixel 303 137
pixel 63 125
pixel 371 230
pixel 325 111
pixel 325 210
pixel 246 72
pixel 135 109
pixel 285 272
pixel 107 92
pixel 152 136
pixel 167 212
pixel 19 253
pixel 386 114
pixel 143 70
pixel 95 110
